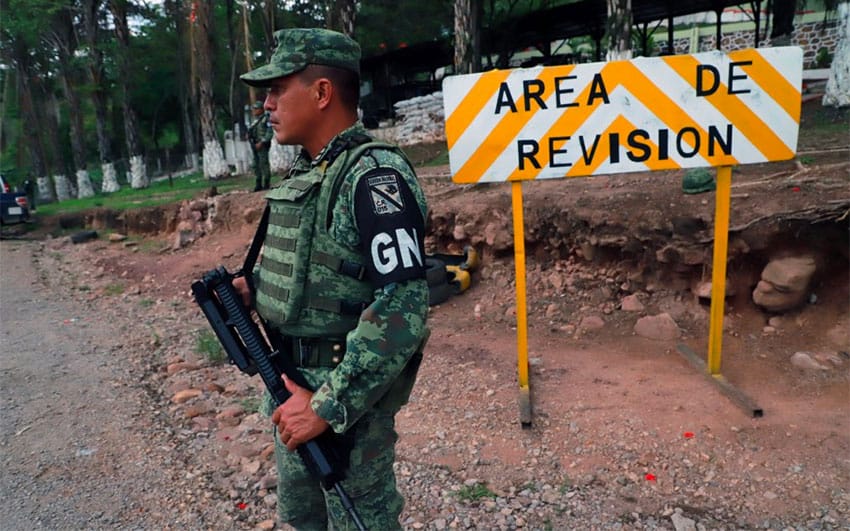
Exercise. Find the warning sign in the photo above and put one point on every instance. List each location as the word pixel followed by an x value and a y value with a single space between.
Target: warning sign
pixel 659 113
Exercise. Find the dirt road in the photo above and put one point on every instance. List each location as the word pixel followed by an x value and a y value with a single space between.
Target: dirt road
pixel 98 344
pixel 111 418
pixel 80 445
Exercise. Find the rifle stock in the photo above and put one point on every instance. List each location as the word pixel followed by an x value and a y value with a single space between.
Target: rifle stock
pixel 248 349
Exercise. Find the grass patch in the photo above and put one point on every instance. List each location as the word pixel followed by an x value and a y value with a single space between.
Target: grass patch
pixel 114 289
pixel 207 345
pixel 566 485
pixel 251 404
pixel 473 493
pixel 431 154
pixel 146 303
pixel 158 193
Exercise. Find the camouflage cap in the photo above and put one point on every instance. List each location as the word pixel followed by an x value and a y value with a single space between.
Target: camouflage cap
pixel 299 47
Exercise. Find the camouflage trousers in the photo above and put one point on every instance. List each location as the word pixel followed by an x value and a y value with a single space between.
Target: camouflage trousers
pixel 262 168
pixel 369 482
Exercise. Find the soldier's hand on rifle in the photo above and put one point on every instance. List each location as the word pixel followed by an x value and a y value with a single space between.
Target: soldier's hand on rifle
pixel 241 287
pixel 296 421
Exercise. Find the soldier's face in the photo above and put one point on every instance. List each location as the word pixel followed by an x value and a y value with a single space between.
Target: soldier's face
pixel 292 110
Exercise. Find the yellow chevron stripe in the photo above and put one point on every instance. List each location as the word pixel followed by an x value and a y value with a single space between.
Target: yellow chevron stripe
pixel 752 127
pixel 565 125
pixel 631 78
pixel 473 103
pixel 623 126
pixel 771 81
pixel 508 127
pixel 667 110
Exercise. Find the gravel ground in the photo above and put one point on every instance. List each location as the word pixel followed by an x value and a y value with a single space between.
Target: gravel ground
pixel 111 419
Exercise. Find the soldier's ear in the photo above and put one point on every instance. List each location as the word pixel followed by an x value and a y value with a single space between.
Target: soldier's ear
pixel 323 92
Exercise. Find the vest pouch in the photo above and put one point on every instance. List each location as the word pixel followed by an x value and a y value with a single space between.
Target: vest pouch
pixel 399 392
pixel 283 269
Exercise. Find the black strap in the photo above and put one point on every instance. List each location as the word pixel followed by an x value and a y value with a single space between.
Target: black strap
pixel 343 144
pixel 254 251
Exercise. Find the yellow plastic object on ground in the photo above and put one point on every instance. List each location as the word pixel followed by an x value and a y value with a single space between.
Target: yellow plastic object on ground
pixel 459 277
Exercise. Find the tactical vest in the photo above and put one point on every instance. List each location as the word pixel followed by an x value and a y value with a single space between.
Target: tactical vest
pixel 309 284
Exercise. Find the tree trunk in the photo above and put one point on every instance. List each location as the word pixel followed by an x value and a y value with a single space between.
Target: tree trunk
pixel 783 22
pixel 249 60
pixel 46 193
pixel 64 41
pixel 64 187
pixel 215 167
pixel 838 85
pixel 341 16
pixel 235 93
pixel 269 26
pixel 466 22
pixel 619 30
pixel 184 81
pixel 138 173
pixel 91 9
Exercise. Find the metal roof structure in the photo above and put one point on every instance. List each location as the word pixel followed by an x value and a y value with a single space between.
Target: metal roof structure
pixel 393 72
pixel 588 17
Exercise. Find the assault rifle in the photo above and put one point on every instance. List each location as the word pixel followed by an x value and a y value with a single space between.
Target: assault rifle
pixel 249 350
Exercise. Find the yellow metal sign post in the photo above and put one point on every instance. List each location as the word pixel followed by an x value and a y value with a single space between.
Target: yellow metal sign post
pixel 521 312
pixel 718 271
pixel 658 113
pixel 711 369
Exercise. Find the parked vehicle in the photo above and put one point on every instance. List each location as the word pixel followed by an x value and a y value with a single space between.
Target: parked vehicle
pixel 14 207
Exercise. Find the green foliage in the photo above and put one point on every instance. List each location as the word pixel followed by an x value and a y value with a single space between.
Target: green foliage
pixel 474 492
pixel 823 58
pixel 207 345
pixel 158 193
pixel 114 289
pixel 251 404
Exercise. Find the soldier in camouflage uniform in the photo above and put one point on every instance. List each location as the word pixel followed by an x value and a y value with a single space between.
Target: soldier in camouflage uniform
pixel 342 278
pixel 260 136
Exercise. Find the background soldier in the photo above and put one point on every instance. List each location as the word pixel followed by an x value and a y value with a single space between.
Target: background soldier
pixel 342 279
pixel 29 189
pixel 260 136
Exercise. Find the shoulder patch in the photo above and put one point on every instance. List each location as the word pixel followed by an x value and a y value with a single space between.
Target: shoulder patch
pixel 385 192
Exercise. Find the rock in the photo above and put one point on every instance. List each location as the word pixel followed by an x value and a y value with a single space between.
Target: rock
pixel 681 523
pixel 174 368
pixel 660 327
pixel 631 303
pixel 251 467
pixel 784 283
pixel 117 237
pixel 792 273
pixel 804 360
pixel 459 233
pixel 776 322
pixel 185 395
pixel 591 322
pixel 196 410
pixel 231 411
pixel 212 387
pixel 703 290
pixel 203 424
